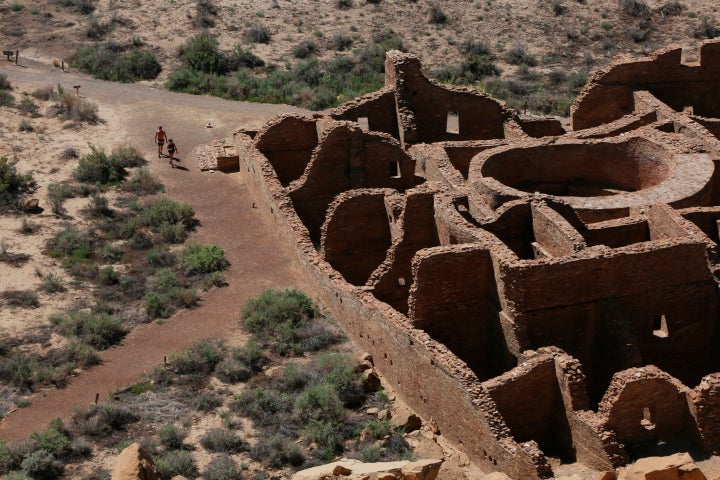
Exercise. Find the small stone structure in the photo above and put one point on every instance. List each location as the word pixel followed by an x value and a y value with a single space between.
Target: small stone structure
pixel 535 292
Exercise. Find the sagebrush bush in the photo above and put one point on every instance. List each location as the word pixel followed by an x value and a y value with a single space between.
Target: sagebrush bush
pixel 12 183
pixel 221 468
pixel 99 420
pixel 277 452
pixel 341 41
pixel 41 464
pixel 436 14
pixel 20 298
pixel 53 283
pixel 224 440
pixel 203 259
pixel 319 402
pixel 305 48
pixel 99 167
pixel 172 436
pixel 143 183
pixel 167 211
pixel 99 330
pixel 518 55
pixel 256 32
pixel 243 363
pixel 201 53
pixel 111 61
pixel 201 357
pixel 176 462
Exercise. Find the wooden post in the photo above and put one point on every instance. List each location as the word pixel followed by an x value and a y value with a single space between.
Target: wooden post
pixel 17 54
pixel 97 397
pixel 63 65
pixel 165 361
pixel 77 89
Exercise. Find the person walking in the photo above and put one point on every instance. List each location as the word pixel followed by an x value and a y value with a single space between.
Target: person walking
pixel 160 137
pixel 172 148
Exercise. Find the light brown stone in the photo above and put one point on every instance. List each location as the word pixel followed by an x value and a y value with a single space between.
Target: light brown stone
pixel 673 467
pixel 31 204
pixel 134 463
pixel 422 469
pixel 606 476
pixel 497 476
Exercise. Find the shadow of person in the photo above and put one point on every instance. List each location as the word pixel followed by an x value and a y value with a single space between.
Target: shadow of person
pixel 180 167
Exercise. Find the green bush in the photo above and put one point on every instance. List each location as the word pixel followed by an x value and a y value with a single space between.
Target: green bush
pixel 319 402
pixel 20 298
pixel 200 53
pixel 341 41
pixel 277 452
pixel 54 439
pixel 171 436
pixel 285 320
pixel 207 401
pixel 166 294
pixel 338 370
pixel 167 211
pixel 224 440
pixel 201 357
pixel 221 468
pixel 203 259
pixel 100 420
pixel 518 55
pixel 99 330
pixel 4 82
pixel 256 32
pixel 242 364
pixel 98 167
pixel 143 183
pixel 57 193
pixel 305 48
pixel 176 462
pixel 265 407
pixel 327 435
pixel 12 183
pixel 41 465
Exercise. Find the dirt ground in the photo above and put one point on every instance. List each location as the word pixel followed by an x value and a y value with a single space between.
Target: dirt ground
pixel 131 113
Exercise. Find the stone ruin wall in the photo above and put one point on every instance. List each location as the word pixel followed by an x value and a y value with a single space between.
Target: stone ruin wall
pixel 503 258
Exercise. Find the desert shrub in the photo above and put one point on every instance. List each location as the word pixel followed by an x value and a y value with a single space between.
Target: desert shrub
pixel 4 82
pixel 99 420
pixel 201 53
pixel 11 258
pixel 319 402
pixel 224 440
pixel 242 58
pixel 161 258
pixel 143 182
pixel 264 406
pixel 284 320
pixel 213 279
pixel 708 28
pixel 207 401
pixel 277 452
pixel 243 363
pixel 201 357
pixel 176 462
pixel 435 14
pixel 57 193
pixel 558 7
pixel 167 211
pixel 97 29
pixel 69 153
pixel 54 439
pixel 13 183
pixel 341 41
pixel 518 55
pixel 98 206
pixel 395 446
pixel 19 370
pixel 52 283
pixel 71 242
pixel 635 8
pixel 378 428
pixel 99 330
pixel 205 14
pixel 221 468
pixel 25 126
pixel 203 259
pixel 27 106
pixel 127 155
pixel 305 48
pixel 111 61
pixel 6 99
pixel 256 32
pixel 343 4
pixel 20 298
pixel 338 370
pixel 98 167
pixel 671 8
pixel 327 436
pixel 166 294
pixel 41 464
pixel 172 436
pixel 172 232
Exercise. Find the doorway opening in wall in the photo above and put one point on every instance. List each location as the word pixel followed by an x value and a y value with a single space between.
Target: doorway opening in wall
pixel 364 124
pixel 453 122
pixel 660 328
pixel 394 169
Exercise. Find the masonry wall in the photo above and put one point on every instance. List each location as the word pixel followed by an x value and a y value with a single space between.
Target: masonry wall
pixel 356 234
pixel 608 95
pixel 454 299
pixel 430 378
pixel 288 146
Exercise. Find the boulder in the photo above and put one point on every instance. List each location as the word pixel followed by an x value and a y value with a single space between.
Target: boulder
pixel 134 463
pixel 673 467
pixel 356 470
pixel 31 204
pixel 403 417
pixel 370 381
pixel 497 476
pixel 606 476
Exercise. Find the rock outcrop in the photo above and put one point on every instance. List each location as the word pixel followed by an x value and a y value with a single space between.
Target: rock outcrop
pixel 357 470
pixel 134 463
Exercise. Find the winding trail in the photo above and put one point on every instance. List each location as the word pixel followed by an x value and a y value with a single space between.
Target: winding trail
pixel 223 206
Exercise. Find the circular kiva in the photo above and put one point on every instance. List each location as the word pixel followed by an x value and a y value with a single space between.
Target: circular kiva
pixel 604 175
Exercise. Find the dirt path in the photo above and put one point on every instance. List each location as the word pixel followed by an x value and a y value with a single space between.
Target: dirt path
pixel 223 206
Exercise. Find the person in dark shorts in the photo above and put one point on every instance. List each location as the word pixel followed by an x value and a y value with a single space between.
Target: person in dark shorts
pixel 172 148
pixel 160 137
